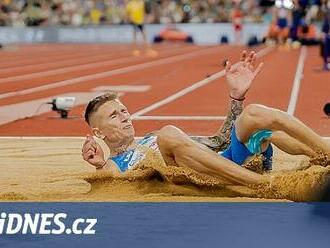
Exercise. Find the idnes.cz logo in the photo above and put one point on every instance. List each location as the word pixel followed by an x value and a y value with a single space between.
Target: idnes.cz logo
pixel 44 223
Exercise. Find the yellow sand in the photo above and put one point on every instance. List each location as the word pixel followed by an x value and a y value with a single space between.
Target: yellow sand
pixel 53 170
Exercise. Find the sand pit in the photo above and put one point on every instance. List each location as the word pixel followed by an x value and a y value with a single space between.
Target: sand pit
pixel 51 169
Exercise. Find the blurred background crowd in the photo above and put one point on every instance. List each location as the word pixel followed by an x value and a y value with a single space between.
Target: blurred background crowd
pixel 97 12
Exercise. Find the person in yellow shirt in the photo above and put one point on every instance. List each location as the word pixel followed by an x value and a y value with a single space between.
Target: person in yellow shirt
pixel 135 12
pixel 95 16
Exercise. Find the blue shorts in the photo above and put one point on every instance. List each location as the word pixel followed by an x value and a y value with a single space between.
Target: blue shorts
pixel 282 23
pixel 239 152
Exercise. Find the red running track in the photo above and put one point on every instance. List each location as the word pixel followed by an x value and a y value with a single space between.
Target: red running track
pixel 40 72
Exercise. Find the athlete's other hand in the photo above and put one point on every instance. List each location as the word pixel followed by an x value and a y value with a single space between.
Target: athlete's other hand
pixel 240 76
pixel 93 153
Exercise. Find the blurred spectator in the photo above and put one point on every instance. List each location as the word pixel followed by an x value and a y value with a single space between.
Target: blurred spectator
pixel 136 11
pixel 326 17
pixel 281 22
pixel 297 15
pixel 277 33
pixel 237 16
pixel 98 12
pixel 35 13
pixel 307 34
pixel 325 38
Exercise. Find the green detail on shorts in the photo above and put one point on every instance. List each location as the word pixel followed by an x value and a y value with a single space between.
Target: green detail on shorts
pixel 256 139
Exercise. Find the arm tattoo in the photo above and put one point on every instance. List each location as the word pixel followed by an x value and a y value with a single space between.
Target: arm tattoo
pixel 236 108
pixel 221 139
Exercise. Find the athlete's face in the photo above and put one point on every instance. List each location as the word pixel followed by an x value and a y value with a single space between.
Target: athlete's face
pixel 113 122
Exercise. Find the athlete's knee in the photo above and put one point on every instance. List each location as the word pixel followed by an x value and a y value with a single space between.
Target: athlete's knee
pixel 279 119
pixel 169 129
pixel 171 137
pixel 254 111
pixel 258 115
pixel 264 117
pixel 169 132
pixel 163 135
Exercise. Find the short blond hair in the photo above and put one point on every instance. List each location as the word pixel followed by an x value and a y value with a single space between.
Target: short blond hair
pixel 97 102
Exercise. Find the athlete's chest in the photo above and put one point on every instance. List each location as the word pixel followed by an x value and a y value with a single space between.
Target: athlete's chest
pixel 129 159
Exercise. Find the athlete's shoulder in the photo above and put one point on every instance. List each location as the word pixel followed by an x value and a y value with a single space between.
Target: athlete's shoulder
pixel 150 140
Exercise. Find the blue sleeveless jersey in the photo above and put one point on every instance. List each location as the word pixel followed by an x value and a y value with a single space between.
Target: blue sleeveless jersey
pixel 129 159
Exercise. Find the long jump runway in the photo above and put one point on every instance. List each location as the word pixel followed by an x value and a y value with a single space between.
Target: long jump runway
pixel 182 85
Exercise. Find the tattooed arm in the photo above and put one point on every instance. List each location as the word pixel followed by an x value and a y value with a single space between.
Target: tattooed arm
pixel 221 139
pixel 236 108
pixel 239 78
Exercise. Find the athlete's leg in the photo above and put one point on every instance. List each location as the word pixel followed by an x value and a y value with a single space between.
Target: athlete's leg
pixel 177 148
pixel 257 117
pixel 290 145
pixel 134 35
pixel 144 37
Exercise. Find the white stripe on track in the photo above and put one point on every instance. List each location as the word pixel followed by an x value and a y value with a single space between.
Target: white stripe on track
pixel 123 70
pixel 107 61
pixel 67 69
pixel 297 80
pixel 63 61
pixel 180 118
pixel 58 56
pixel 191 88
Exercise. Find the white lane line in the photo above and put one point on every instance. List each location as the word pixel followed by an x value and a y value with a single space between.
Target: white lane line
pixel 180 118
pixel 40 137
pixel 65 55
pixel 163 61
pixel 191 88
pixel 108 62
pixel 123 88
pixel 296 83
pixel 67 69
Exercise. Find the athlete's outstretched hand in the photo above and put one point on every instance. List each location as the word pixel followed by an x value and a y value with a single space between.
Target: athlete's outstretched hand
pixel 240 76
pixel 93 153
